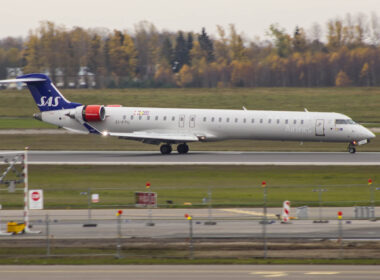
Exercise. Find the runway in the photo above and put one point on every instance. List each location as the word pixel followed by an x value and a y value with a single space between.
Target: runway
pixel 199 158
pixel 184 272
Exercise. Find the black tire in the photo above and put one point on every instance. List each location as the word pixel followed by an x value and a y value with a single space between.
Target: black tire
pixel 166 149
pixel 182 148
pixel 351 150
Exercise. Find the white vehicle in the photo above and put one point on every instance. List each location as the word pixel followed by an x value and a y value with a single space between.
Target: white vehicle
pixel 181 126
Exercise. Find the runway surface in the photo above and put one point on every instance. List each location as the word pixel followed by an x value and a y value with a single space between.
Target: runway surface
pixel 200 158
pixel 184 272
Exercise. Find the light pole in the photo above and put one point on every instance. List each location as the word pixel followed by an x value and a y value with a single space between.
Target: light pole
pixel 265 221
pixel 150 222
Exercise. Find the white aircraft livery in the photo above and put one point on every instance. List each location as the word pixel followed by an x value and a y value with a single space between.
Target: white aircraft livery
pixel 169 127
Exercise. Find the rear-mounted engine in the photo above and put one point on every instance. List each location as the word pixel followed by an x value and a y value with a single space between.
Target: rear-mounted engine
pixel 93 113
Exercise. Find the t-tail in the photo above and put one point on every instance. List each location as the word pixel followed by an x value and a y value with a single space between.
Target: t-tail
pixel 45 94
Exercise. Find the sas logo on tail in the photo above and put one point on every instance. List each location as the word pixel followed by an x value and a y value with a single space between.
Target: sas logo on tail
pixel 49 101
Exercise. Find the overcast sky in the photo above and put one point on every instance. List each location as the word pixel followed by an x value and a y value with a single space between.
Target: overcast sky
pixel 252 17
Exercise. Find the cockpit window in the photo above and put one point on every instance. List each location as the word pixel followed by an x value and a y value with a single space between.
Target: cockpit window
pixel 348 121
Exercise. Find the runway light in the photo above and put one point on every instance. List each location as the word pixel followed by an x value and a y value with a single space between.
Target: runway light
pixel 119 212
pixel 340 214
pixel 147 185
pixel 263 184
pixel 369 182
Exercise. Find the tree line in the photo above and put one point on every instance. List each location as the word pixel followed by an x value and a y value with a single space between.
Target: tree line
pixel 348 55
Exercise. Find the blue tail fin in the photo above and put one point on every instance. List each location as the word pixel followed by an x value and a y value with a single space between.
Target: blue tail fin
pixel 45 94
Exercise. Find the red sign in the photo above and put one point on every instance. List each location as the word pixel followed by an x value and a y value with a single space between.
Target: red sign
pixel 144 199
pixel 36 196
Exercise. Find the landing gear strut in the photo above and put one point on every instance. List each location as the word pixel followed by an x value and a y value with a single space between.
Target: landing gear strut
pixel 182 148
pixel 166 149
pixel 351 148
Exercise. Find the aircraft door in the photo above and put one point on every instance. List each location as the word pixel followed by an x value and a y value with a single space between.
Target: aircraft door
pixel 181 119
pixel 192 121
pixel 320 128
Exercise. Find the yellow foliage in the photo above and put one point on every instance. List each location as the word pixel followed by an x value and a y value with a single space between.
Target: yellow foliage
pixel 342 79
pixel 185 76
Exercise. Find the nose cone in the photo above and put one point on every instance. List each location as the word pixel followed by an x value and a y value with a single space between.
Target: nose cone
pixel 368 133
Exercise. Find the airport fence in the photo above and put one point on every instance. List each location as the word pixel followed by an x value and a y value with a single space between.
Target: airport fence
pixel 179 233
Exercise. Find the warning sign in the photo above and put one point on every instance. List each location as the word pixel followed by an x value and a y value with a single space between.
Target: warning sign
pixel 36 200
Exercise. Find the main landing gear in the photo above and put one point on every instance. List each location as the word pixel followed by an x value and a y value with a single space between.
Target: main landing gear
pixel 181 148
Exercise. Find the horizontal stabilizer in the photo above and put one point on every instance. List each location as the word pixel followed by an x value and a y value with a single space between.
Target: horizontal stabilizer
pixel 22 80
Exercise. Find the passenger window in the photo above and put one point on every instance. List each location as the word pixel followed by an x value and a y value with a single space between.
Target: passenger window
pixel 253 120
pixel 261 120
pixel 165 118
pixel 270 120
pixel 173 119
pixel 131 117
pixel 236 120
pixel 156 118
pixel 220 119
pixel 228 120
pixel 204 119
pixel 148 118
pixel 286 121
pixel 295 122
pixel 244 120
pixel 212 119
pixel 278 121
pixel 301 121
pixel 140 117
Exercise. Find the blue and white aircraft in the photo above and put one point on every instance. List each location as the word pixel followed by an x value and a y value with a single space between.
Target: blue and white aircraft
pixel 169 126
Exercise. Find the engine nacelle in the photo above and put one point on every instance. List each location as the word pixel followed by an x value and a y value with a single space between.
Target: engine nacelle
pixel 93 113
pixel 89 113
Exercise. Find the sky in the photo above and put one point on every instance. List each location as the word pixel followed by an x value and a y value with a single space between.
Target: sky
pixel 251 17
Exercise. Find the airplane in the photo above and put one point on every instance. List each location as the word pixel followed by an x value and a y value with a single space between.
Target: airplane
pixel 173 126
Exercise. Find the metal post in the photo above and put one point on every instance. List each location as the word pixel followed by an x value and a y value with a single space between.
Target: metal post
pixel 340 237
pixel 210 222
pixel 264 221
pixel 89 204
pixel 47 222
pixel 150 221
pixel 118 245
pixel 191 237
pixel 26 186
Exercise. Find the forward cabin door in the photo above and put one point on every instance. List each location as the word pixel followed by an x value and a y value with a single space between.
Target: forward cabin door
pixel 181 120
pixel 192 121
pixel 320 128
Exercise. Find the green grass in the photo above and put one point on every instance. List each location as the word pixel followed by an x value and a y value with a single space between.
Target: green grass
pixel 231 185
pixel 23 123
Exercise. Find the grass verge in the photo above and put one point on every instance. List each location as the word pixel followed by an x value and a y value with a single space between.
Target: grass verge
pixel 230 185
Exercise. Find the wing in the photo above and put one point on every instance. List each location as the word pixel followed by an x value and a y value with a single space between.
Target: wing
pixel 156 137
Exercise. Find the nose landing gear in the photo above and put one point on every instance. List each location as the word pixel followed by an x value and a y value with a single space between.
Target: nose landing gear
pixel 351 147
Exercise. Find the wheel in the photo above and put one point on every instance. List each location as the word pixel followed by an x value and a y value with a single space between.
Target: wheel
pixel 182 148
pixel 166 149
pixel 351 150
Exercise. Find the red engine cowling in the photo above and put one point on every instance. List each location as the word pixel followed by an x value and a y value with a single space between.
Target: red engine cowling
pixel 93 113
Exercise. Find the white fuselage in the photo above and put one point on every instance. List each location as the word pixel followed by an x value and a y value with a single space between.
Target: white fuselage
pixel 214 125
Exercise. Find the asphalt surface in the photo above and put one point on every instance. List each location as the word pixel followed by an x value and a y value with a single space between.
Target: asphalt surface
pixel 184 272
pixel 202 158
pixel 171 223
